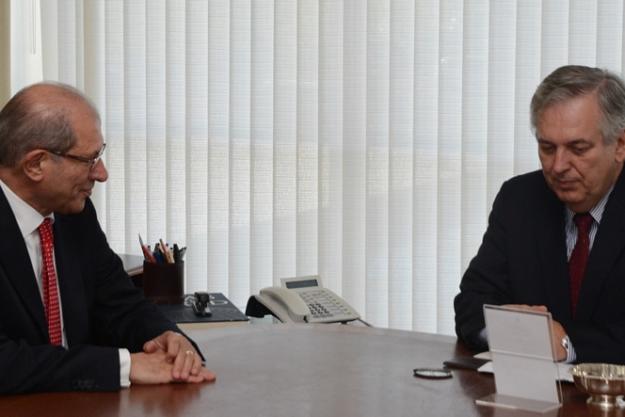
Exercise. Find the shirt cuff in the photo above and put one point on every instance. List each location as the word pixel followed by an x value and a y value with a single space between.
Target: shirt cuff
pixel 483 335
pixel 124 368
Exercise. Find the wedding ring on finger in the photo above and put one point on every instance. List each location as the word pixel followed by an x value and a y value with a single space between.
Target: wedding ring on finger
pixel 189 352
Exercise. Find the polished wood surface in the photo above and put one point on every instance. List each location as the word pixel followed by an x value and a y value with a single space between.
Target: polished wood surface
pixel 323 370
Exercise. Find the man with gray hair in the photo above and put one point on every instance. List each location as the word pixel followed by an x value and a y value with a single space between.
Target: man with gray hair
pixel 556 238
pixel 70 318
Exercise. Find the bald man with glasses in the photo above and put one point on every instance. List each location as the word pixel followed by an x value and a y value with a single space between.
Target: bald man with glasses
pixel 70 318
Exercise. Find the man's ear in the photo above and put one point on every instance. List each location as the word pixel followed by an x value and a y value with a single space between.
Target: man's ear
pixel 619 153
pixel 33 164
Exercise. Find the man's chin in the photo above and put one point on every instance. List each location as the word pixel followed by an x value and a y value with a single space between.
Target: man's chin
pixel 573 201
pixel 74 208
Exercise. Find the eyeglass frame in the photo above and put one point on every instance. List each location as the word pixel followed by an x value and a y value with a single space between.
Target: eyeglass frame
pixel 89 161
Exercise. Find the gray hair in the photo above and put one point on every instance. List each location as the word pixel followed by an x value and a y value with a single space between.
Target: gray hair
pixel 27 122
pixel 572 81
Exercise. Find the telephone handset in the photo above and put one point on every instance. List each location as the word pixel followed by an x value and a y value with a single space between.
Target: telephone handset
pixel 284 303
pixel 304 299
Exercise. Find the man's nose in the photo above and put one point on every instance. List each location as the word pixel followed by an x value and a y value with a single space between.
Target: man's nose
pixel 561 160
pixel 99 172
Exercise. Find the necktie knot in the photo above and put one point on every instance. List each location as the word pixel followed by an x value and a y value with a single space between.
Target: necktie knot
pixel 583 222
pixel 45 229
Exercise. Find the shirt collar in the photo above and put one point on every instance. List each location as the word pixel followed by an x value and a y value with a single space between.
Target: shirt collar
pixel 596 212
pixel 28 219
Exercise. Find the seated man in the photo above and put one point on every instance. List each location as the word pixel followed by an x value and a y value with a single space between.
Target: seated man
pixel 556 238
pixel 70 318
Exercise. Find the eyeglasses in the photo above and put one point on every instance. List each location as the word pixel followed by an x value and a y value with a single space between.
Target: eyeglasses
pixel 89 161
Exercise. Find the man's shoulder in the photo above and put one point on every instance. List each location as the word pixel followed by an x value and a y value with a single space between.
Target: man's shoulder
pixel 528 185
pixel 531 180
pixel 527 193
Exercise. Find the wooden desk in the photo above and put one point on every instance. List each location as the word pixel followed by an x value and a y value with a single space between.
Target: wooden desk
pixel 293 371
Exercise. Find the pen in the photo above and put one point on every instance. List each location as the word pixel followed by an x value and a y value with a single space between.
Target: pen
pixel 176 253
pixel 147 255
pixel 158 255
pixel 166 253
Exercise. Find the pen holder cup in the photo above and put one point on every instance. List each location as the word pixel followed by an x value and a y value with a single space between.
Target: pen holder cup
pixel 163 283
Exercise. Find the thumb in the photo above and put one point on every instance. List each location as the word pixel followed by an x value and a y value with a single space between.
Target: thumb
pixel 151 346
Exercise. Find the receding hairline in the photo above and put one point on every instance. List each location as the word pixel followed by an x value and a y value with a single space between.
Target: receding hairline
pixel 54 97
pixel 43 115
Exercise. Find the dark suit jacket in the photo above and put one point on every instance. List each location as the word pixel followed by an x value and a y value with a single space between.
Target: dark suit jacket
pixel 522 260
pixel 101 310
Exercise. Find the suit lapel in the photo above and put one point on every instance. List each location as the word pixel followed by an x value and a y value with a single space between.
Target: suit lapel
pixel 70 282
pixel 607 247
pixel 550 242
pixel 16 264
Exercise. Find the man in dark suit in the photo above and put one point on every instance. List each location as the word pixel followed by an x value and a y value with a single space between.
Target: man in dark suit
pixel 556 238
pixel 70 318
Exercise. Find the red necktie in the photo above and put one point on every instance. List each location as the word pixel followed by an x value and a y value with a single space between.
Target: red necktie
pixel 50 289
pixel 579 256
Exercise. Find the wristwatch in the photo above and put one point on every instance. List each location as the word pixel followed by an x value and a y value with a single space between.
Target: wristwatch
pixel 566 344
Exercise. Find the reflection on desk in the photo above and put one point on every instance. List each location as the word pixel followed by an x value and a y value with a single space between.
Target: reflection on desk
pixel 305 370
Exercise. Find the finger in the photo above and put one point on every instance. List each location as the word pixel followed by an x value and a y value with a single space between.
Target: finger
pixel 207 375
pixel 195 379
pixel 197 365
pixel 526 307
pixel 152 346
pixel 188 364
pixel 179 363
pixel 174 345
pixel 515 306
pixel 149 346
pixel 204 376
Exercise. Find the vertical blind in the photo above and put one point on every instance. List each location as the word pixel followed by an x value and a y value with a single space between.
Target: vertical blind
pixel 363 141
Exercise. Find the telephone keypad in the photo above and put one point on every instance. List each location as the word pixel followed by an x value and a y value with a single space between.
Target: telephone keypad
pixel 322 304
